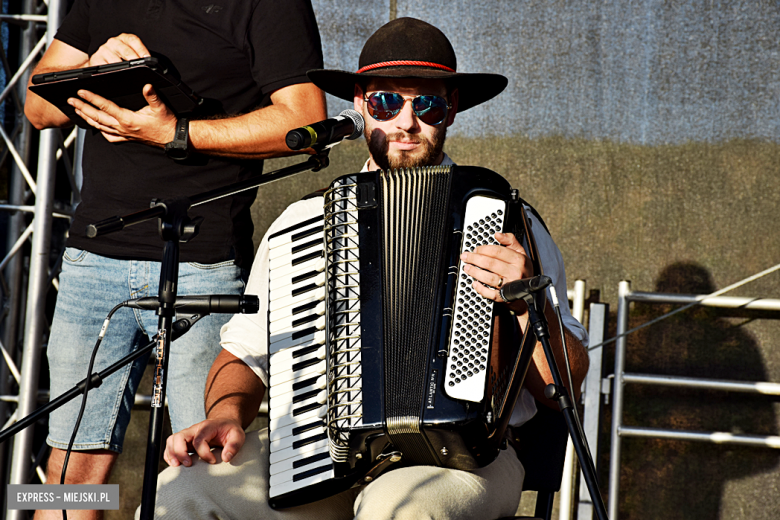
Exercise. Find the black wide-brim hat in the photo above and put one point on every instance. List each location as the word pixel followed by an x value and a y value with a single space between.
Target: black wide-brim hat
pixel 410 48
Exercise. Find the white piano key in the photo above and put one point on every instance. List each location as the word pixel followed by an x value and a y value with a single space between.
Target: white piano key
pixel 282 334
pixel 316 240
pixel 287 431
pixel 280 281
pixel 280 477
pixel 287 386
pixel 303 465
pixel 299 375
pixel 284 360
pixel 291 258
pixel 286 441
pixel 304 418
pixel 317 337
pixel 290 270
pixel 289 486
pixel 308 450
pixel 277 409
pixel 277 323
pixel 294 301
pixel 287 238
pixel 288 290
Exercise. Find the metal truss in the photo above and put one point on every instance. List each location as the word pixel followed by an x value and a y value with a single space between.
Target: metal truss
pixel 27 269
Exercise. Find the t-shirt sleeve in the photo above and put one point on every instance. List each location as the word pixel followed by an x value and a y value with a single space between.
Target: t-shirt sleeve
pixel 74 28
pixel 284 43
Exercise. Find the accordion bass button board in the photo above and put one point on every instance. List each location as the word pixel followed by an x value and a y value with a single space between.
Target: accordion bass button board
pixel 381 353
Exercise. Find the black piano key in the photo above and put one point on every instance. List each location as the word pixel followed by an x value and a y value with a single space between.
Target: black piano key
pixel 304 289
pixel 310 460
pixel 305 383
pixel 310 256
pixel 304 276
pixel 309 440
pixel 309 232
pixel 306 245
pixel 303 333
pixel 307 408
pixel 305 395
pixel 304 351
pixel 299 225
pixel 307 319
pixel 306 427
pixel 312 472
pixel 303 308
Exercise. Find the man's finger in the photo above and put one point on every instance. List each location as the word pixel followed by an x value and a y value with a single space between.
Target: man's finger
pixel 103 104
pixel 135 44
pixel 180 449
pixel 233 442
pixel 202 447
pixel 151 97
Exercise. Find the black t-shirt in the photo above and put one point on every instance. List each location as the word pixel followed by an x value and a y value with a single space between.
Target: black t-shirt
pixel 235 54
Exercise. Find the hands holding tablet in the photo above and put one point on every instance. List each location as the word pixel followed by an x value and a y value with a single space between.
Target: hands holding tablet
pixel 154 124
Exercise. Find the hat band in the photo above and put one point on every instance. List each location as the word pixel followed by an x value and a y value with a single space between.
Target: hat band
pixel 402 63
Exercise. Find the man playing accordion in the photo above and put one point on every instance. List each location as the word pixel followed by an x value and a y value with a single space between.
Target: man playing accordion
pixel 408 91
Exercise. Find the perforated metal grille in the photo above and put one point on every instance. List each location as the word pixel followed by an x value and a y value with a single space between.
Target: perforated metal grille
pixel 472 320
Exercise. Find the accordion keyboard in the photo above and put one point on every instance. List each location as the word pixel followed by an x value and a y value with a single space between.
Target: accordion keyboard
pixel 297 394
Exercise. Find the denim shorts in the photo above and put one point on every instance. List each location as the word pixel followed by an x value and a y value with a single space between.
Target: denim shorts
pixel 90 286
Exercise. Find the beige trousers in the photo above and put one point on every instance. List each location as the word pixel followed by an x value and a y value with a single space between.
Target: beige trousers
pixel 238 490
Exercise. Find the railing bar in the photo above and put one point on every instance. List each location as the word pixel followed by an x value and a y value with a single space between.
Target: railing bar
pixel 765 441
pixel 732 302
pixel 756 387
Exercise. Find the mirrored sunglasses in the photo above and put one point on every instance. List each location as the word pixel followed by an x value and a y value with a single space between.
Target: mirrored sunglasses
pixel 384 106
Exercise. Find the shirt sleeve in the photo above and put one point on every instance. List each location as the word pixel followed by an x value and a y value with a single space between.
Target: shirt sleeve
pixel 284 43
pixel 246 335
pixel 74 28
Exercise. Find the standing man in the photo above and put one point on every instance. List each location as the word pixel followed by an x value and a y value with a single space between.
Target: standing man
pixel 248 60
pixel 409 92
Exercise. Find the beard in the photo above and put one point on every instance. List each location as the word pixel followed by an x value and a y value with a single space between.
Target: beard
pixel 424 155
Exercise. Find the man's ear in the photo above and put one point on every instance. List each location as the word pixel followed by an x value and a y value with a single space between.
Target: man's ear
pixel 358 99
pixel 454 102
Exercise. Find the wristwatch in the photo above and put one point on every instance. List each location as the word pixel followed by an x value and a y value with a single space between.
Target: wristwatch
pixel 177 149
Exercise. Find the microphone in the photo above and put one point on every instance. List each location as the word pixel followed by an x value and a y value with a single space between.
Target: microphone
pixel 347 125
pixel 221 304
pixel 521 288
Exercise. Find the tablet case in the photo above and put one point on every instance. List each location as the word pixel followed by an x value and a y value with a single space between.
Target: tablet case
pixel 120 82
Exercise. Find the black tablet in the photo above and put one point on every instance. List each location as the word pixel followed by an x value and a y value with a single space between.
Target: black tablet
pixel 120 82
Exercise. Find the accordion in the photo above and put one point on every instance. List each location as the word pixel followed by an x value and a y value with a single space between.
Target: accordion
pixel 381 353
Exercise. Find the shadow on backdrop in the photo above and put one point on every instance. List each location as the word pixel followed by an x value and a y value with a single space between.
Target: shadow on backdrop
pixel 685 480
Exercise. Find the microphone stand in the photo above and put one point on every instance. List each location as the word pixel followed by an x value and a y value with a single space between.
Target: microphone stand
pixel 176 226
pixel 558 392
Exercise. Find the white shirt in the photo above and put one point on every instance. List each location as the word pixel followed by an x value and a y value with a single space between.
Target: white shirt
pixel 246 335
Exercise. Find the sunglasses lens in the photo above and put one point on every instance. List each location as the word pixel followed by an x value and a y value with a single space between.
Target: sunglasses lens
pixel 430 109
pixel 384 106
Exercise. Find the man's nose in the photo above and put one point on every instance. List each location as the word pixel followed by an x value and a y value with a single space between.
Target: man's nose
pixel 406 120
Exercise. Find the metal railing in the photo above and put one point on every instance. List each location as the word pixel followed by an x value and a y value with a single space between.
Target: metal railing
pixel 621 378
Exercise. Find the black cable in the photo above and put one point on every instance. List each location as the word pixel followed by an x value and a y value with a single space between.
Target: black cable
pixel 84 399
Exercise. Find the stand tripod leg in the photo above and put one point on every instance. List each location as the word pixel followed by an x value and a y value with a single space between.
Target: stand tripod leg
pixel 558 392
